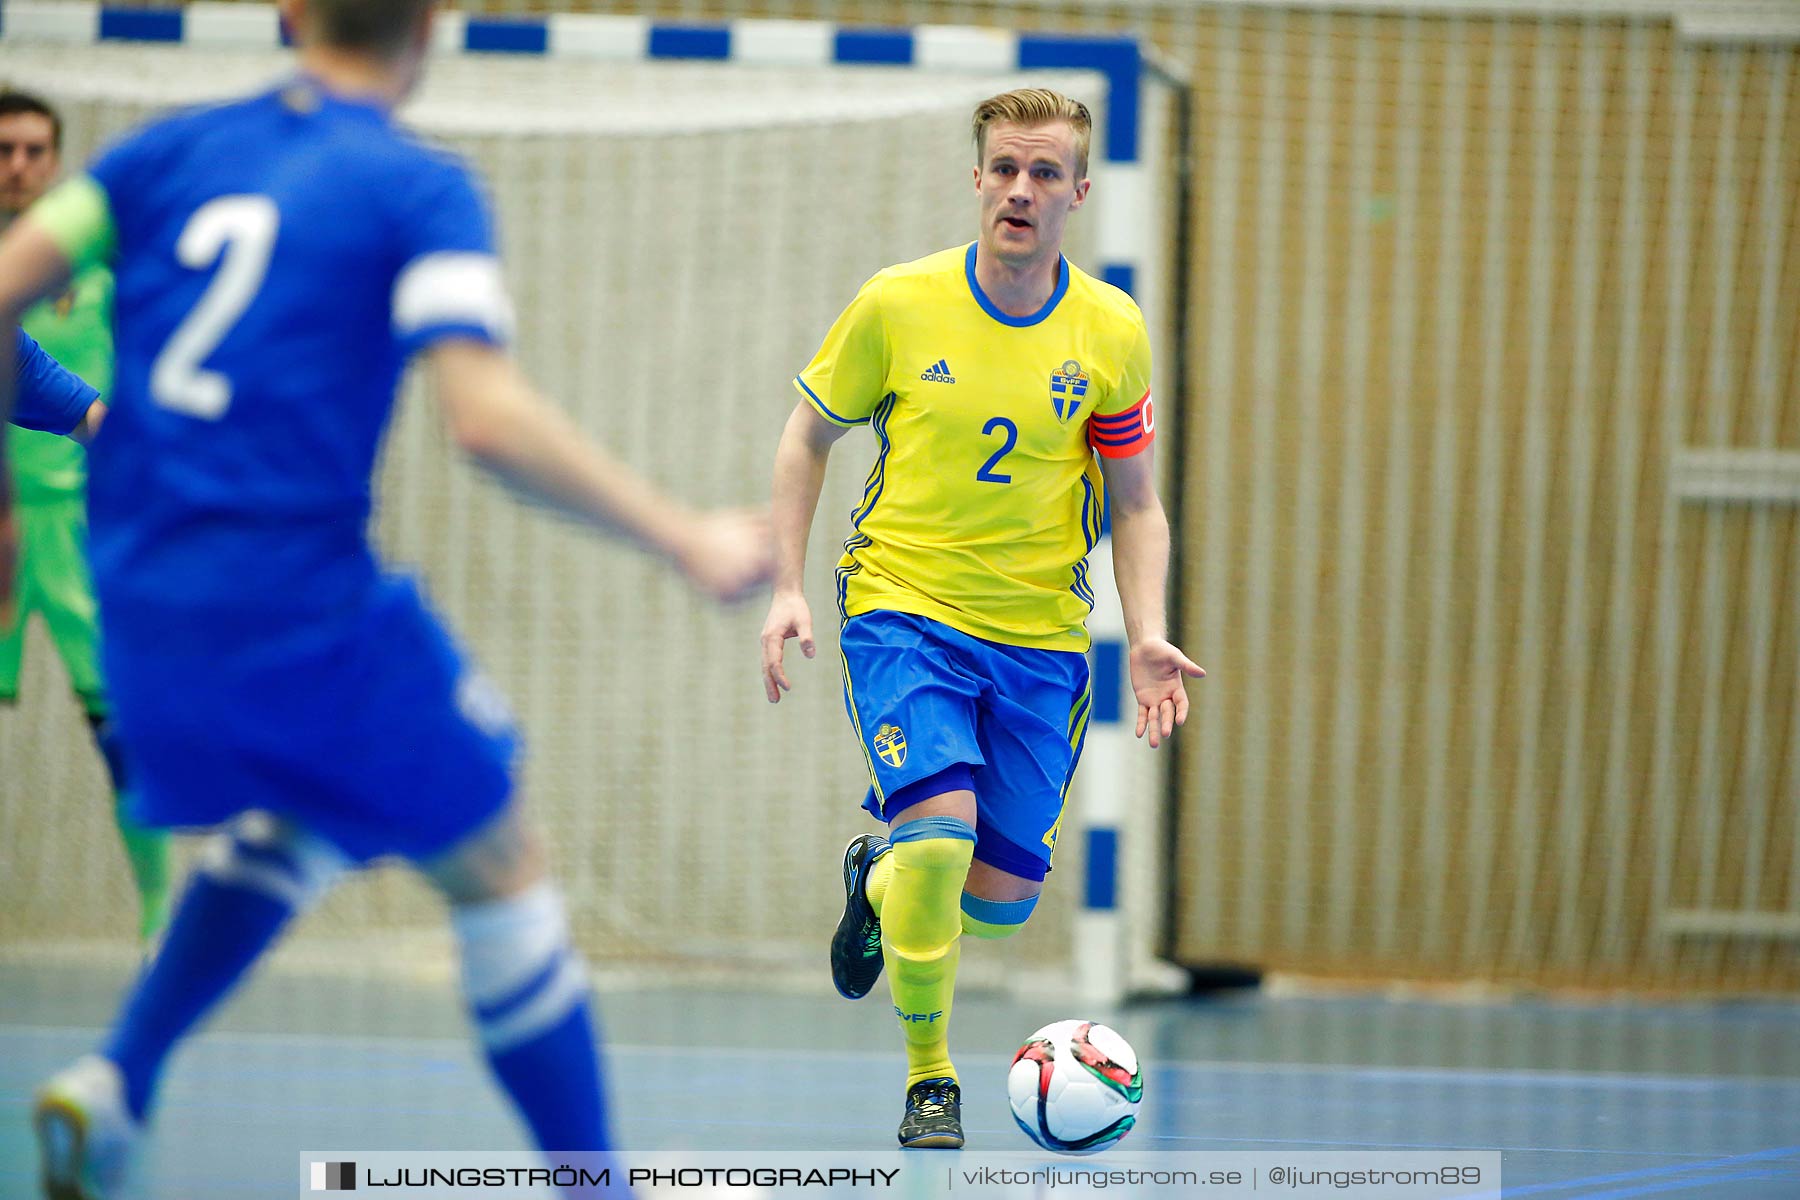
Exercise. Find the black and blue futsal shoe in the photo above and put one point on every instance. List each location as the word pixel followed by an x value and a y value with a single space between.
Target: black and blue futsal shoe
pixel 933 1119
pixel 856 946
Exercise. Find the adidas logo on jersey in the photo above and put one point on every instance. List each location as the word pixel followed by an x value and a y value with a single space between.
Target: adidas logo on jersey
pixel 938 372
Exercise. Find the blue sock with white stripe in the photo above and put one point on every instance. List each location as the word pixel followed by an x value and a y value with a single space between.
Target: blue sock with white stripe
pixel 528 994
pixel 248 884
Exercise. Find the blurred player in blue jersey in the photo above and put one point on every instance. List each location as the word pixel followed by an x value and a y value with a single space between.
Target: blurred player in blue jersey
pixel 51 473
pixel 1010 393
pixel 279 259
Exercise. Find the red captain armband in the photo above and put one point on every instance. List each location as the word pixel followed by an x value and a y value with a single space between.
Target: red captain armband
pixel 1123 434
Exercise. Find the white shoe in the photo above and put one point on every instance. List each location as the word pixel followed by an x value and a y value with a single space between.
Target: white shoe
pixel 84 1131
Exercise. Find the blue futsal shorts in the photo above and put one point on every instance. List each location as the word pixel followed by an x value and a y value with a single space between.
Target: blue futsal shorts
pixel 925 698
pixel 367 727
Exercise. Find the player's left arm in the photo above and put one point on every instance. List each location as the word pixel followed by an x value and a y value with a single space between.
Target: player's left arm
pixel 1122 432
pixel 1140 546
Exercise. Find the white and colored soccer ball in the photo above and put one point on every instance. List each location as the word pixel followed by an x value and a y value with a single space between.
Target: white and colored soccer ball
pixel 1075 1087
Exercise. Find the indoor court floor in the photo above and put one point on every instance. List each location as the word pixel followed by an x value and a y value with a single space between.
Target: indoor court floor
pixel 1584 1101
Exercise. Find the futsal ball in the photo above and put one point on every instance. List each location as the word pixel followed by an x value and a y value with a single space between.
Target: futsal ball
pixel 1075 1087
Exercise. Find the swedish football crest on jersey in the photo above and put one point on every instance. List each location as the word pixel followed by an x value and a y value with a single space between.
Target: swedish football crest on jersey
pixel 1068 389
pixel 890 744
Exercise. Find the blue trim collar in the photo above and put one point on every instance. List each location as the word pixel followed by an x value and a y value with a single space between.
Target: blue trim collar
pixel 992 310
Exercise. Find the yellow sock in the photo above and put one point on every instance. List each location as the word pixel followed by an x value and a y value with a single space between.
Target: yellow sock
pixel 921 924
pixel 876 885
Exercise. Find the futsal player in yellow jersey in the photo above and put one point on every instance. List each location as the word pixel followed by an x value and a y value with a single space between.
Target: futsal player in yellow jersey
pixel 1009 393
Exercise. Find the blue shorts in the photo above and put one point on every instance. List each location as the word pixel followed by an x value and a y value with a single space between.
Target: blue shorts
pixel 925 698
pixel 366 727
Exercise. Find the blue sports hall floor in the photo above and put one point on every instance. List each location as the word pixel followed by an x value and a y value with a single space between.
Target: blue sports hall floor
pixel 1588 1101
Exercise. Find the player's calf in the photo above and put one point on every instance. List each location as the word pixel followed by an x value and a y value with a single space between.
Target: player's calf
pixel 525 985
pixel 251 880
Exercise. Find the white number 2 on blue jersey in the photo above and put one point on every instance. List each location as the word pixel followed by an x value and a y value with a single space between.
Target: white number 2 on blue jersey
pixel 238 233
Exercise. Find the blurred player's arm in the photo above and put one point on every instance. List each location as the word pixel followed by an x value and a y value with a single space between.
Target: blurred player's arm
pixel 1140 546
pixel 90 424
pixel 500 421
pixel 49 397
pixel 800 460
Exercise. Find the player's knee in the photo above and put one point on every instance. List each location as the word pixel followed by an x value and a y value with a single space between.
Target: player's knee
pixel 935 843
pixel 505 859
pixel 931 860
pixel 279 860
pixel 994 919
pixel 520 975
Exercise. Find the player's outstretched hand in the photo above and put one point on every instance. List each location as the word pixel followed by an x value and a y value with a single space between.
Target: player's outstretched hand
pixel 730 552
pixel 788 617
pixel 1156 671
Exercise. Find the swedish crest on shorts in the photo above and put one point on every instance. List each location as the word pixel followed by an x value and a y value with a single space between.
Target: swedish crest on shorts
pixel 1068 390
pixel 890 744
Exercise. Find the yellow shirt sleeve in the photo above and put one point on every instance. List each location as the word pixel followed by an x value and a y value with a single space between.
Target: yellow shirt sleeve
pixel 848 376
pixel 1124 423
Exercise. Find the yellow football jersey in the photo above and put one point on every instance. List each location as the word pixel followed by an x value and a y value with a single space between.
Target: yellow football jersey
pixel 985 496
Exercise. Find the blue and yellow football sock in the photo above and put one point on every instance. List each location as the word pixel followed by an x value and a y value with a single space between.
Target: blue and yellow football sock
pixel 921 924
pixel 146 849
pixel 994 919
pixel 248 884
pixel 528 993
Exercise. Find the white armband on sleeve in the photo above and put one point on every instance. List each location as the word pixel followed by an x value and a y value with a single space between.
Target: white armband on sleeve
pixel 453 289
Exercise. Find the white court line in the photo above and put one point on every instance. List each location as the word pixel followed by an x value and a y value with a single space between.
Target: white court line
pixel 1531 1076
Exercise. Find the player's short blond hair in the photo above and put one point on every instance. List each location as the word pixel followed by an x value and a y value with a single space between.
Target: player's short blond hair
pixel 1035 106
pixel 381 27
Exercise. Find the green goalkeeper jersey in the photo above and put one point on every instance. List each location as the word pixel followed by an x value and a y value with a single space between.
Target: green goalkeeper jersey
pixel 76 330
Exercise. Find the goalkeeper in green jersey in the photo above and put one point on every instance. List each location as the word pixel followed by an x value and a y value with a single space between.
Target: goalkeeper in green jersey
pixel 50 476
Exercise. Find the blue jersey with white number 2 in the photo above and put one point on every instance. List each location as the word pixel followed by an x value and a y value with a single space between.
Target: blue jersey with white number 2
pixel 278 259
